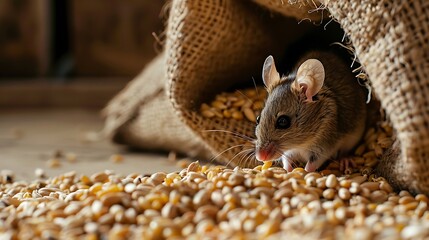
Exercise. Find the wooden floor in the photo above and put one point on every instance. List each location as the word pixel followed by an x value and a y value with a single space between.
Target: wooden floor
pixel 30 138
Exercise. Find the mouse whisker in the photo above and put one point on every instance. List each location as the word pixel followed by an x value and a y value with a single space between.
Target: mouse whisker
pixel 298 135
pixel 244 95
pixel 292 162
pixel 249 139
pixel 254 160
pixel 256 88
pixel 248 158
pixel 228 149
pixel 248 162
pixel 251 159
pixel 243 151
pixel 241 159
pixel 246 152
pixel 281 153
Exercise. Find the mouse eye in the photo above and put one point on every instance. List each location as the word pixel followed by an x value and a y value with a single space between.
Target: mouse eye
pixel 283 122
pixel 257 119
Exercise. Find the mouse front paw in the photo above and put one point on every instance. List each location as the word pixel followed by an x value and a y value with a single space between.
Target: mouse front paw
pixel 287 163
pixel 347 165
pixel 291 162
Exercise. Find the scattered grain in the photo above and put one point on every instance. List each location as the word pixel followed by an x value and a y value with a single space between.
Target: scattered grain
pixel 40 173
pixel 53 163
pixel 116 158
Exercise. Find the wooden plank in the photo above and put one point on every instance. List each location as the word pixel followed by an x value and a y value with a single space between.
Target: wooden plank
pixel 117 41
pixel 24 38
pixel 78 93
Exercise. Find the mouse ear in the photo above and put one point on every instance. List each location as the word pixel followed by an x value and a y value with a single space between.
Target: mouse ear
pixel 270 76
pixel 310 77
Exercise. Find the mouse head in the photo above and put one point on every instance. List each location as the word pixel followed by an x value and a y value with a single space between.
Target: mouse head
pixel 290 118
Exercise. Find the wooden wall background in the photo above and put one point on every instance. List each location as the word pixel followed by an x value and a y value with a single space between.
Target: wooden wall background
pixel 74 53
pixel 103 38
pixel 116 41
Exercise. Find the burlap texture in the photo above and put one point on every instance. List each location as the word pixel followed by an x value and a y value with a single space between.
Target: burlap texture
pixel 215 45
pixel 391 40
pixel 141 116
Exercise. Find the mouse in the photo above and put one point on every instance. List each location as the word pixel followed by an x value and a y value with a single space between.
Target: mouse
pixel 315 113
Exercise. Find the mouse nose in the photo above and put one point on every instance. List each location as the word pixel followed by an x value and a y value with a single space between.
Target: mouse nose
pixel 265 153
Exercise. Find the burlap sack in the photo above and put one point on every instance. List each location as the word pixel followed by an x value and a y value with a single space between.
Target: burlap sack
pixel 214 45
pixel 141 116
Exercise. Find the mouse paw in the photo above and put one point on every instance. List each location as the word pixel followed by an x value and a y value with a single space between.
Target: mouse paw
pixel 287 164
pixel 347 164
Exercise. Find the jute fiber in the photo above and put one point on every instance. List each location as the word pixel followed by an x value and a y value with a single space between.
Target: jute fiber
pixel 213 46
pixel 141 115
pixel 391 39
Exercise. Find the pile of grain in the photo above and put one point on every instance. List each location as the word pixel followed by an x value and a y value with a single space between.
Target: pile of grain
pixel 212 202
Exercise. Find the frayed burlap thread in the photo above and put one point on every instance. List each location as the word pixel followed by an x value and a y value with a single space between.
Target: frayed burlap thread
pixel 308 10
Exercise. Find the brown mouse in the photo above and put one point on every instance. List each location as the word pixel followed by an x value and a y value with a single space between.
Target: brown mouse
pixel 314 114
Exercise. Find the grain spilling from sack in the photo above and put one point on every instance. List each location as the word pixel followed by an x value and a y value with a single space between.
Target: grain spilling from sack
pixel 213 202
pixel 368 153
pixel 239 105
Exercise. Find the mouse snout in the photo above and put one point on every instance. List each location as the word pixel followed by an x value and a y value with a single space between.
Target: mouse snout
pixel 266 153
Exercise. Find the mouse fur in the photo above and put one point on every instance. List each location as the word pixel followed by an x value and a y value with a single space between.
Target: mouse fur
pixel 327 125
